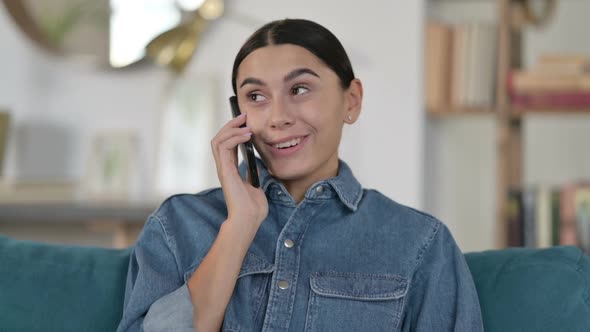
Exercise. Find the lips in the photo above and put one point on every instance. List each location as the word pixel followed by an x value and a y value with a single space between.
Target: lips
pixel 285 139
pixel 287 146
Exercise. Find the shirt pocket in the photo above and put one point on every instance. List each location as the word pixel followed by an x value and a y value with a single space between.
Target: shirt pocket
pixel 247 306
pixel 355 302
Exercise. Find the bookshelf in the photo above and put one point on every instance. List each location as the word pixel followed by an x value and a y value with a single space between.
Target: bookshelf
pixel 520 112
pixel 508 132
pixel 508 120
pixel 460 111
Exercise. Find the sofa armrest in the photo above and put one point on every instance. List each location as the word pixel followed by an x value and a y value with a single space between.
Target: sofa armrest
pixel 523 289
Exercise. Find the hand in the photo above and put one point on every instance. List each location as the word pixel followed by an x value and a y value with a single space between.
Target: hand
pixel 246 204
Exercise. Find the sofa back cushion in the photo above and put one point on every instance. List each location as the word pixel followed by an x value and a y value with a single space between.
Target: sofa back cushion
pixel 533 289
pixel 60 288
pixel 68 288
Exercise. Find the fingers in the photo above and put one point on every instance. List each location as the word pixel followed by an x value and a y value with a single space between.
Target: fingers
pixel 231 143
pixel 227 133
pixel 235 122
pixel 231 128
pixel 224 146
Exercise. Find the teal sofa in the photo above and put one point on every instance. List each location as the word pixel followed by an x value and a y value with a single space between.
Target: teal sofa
pixel 66 288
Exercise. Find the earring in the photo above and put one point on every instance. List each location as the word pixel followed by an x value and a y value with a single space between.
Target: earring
pixel 349 118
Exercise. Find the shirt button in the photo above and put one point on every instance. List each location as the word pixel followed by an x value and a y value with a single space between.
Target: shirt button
pixel 319 189
pixel 289 243
pixel 279 192
pixel 283 284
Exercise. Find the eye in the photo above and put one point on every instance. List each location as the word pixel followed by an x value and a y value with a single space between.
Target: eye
pixel 299 90
pixel 255 97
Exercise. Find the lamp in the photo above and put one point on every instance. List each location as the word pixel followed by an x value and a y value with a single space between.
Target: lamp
pixel 532 12
pixel 174 48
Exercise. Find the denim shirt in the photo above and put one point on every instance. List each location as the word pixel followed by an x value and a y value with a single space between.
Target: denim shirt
pixel 343 259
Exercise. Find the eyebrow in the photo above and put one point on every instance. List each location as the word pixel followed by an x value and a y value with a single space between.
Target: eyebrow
pixel 298 72
pixel 292 75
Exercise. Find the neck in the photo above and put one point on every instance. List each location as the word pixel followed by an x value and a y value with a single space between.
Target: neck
pixel 298 187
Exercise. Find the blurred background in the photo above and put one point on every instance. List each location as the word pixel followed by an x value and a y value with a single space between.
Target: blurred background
pixel 477 112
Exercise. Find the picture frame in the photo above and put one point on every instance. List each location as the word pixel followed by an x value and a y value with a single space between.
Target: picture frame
pixel 112 166
pixel 188 122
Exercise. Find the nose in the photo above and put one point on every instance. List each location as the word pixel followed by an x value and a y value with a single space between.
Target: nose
pixel 280 115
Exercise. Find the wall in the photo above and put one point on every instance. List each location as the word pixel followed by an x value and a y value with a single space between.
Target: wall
pixel 383 39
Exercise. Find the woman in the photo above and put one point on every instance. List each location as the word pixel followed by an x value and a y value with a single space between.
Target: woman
pixel 310 249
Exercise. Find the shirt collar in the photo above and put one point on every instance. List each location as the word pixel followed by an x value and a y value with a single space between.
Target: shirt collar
pixel 346 186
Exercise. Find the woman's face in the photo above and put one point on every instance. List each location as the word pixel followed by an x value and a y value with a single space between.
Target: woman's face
pixel 295 108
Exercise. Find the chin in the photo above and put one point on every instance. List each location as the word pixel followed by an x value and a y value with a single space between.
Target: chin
pixel 288 170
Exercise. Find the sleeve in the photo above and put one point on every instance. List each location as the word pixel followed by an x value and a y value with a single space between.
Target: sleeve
pixel 173 312
pixel 442 294
pixel 152 274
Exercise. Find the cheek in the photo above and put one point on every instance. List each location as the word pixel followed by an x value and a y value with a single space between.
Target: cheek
pixel 255 121
pixel 326 117
pixel 319 112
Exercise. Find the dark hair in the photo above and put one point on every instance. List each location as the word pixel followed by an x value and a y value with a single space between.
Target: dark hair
pixel 307 34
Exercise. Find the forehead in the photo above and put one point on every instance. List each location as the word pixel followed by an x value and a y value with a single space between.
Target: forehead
pixel 278 60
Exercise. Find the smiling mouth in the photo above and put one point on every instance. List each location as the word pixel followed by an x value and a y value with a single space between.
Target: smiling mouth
pixel 288 144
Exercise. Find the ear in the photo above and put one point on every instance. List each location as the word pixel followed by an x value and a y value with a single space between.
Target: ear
pixel 354 101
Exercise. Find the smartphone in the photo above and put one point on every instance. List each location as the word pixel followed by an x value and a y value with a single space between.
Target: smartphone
pixel 247 148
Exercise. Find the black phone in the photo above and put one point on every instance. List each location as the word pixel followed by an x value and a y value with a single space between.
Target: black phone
pixel 247 148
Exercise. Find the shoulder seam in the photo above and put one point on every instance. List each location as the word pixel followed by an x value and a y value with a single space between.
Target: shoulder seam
pixel 436 227
pixel 427 244
pixel 195 195
pixel 422 213
pixel 168 243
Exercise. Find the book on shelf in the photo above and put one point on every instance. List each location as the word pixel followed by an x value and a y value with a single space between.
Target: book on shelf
pixel 459 63
pixel 563 100
pixel 555 81
pixel 562 63
pixel 530 82
pixel 436 64
pixel 530 218
pixel 544 216
pixel 460 66
pixel 567 217
pixel 543 222
pixel 555 213
pixel 514 218
pixel 582 203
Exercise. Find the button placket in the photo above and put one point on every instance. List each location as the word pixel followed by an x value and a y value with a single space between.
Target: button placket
pixel 286 275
